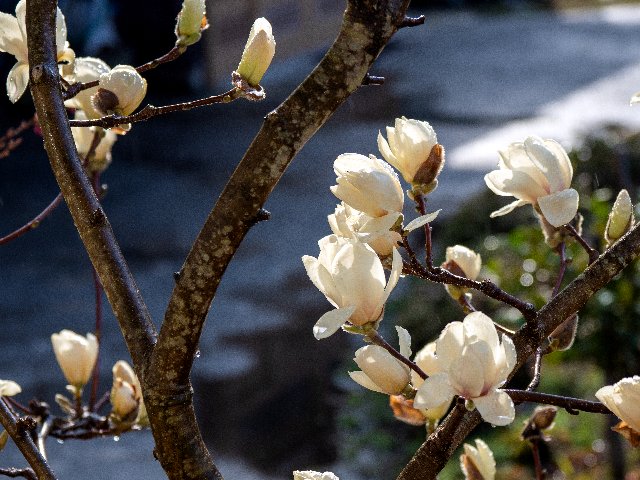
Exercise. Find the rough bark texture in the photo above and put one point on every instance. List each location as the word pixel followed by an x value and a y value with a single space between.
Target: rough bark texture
pixel 434 453
pixel 367 27
pixel 88 216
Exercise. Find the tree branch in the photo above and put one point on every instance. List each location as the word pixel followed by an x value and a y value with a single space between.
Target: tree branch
pixel 367 27
pixel 89 218
pixel 20 435
pixel 432 457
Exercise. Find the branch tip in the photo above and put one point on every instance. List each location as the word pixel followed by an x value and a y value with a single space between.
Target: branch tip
pixel 412 21
pixel 372 80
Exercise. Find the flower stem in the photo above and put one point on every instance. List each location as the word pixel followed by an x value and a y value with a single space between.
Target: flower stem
pixel 592 252
pixel 571 405
pixel 377 339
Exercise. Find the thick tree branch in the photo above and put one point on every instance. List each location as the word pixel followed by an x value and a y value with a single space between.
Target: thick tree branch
pixel 88 216
pixel 19 433
pixel 367 27
pixel 432 456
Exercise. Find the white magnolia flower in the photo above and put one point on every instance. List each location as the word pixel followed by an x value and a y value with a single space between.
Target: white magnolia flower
pixel 367 184
pixel 9 388
pixel 190 22
pixel 623 399
pixel 13 40
pixel 351 276
pixel 126 393
pixel 409 149
pixel 620 218
pixel 76 356
pixel 258 52
pixel 120 91
pixel 83 138
pixel 87 69
pixel 382 372
pixel 313 475
pixel 473 364
pixel 427 361
pixel 350 223
pixel 538 172
pixel 478 460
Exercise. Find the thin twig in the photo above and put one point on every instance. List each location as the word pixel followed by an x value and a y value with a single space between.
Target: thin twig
pixel 592 252
pixel 34 223
pixel 536 460
pixel 537 368
pixel 22 438
pixel 150 111
pixel 568 403
pixel 428 246
pixel 27 473
pixel 377 339
pixel 75 88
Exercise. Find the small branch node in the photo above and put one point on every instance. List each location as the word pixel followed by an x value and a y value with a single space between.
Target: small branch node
pixel 372 80
pixel 263 215
pixel 411 21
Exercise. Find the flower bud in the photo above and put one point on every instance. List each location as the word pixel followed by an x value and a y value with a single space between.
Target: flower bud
pixel 191 22
pixel 76 356
pixel 126 393
pixel 413 149
pixel 463 262
pixel 9 388
pixel 120 91
pixel 387 374
pixel 87 69
pixel 477 462
pixel 258 53
pixel 620 218
pixel 564 335
pixel 541 419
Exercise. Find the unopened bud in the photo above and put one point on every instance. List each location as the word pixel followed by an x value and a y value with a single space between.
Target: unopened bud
pixel 121 91
pixel 431 168
pixel 621 218
pixel 191 22
pixel 462 262
pixel 258 53
pixel 384 371
pixel 541 419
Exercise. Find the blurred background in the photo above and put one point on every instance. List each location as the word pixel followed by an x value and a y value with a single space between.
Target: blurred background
pixel 269 396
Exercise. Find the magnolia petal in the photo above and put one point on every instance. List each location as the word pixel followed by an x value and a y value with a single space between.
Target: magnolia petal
pixel 17 81
pixel 61 32
pixel 385 151
pixel 511 356
pixel 508 208
pixel 380 224
pixel 435 391
pixel 559 208
pixel 404 339
pixel 514 183
pixel 11 40
pixel 422 220
pixel 481 326
pixel 449 345
pixel 321 279
pixel 564 164
pixel 635 98
pixel 362 379
pixel 396 270
pixel 496 408
pixel 546 161
pixel 468 371
pixel 330 322
pixel 21 15
pixel 9 388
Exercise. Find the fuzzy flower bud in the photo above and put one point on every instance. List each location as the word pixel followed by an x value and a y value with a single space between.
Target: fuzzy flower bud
pixel 87 69
pixel 381 371
pixel 477 462
pixel 258 53
pixel 120 91
pixel 191 22
pixel 413 149
pixel 76 356
pixel 621 218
